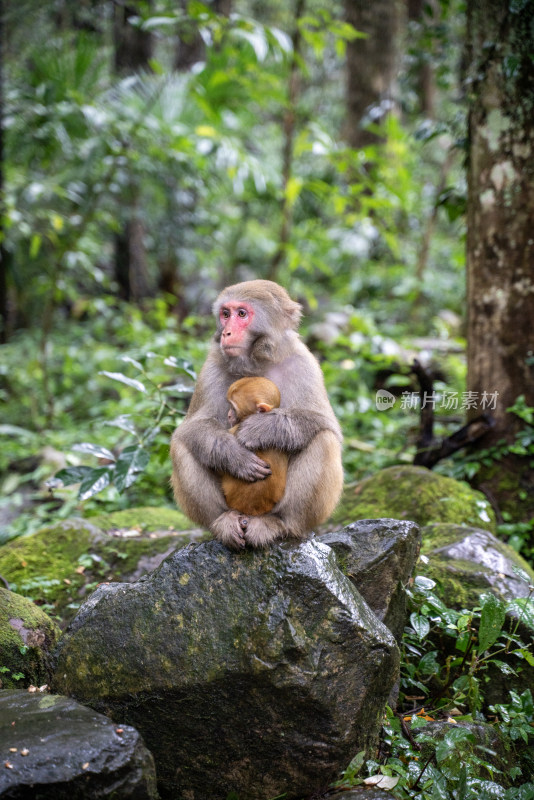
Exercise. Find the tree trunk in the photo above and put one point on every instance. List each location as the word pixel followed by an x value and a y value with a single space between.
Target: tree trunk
pixel 132 52
pixel 500 242
pixel 425 12
pixel 190 47
pixel 3 253
pixel 372 65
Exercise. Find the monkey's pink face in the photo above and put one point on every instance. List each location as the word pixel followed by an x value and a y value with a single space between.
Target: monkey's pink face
pixel 235 319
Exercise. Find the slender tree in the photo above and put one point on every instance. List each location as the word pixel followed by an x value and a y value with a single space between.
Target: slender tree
pixel 3 252
pixel 500 243
pixel 132 52
pixel 372 64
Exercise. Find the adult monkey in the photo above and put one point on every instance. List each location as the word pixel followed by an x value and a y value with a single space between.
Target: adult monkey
pixel 256 335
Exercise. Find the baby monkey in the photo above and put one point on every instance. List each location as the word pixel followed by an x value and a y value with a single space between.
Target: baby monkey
pixel 254 396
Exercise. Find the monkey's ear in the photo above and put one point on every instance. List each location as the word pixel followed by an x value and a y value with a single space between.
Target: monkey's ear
pixel 263 407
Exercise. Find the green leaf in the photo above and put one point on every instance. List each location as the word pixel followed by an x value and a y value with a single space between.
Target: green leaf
pixel 118 376
pixel 420 625
pixel 72 475
pixel 491 621
pixel 132 361
pixel 132 461
pixel 124 422
pixel 95 481
pixel 15 430
pixel 181 363
pixel 94 450
pixel 423 584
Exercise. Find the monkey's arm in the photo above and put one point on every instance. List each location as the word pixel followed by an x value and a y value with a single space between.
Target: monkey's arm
pixel 286 429
pixel 216 448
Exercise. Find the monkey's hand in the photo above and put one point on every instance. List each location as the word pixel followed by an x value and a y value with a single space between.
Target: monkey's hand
pixel 248 467
pixel 263 431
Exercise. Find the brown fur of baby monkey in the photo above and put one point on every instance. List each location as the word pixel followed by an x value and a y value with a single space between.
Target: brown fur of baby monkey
pixel 257 335
pixel 255 396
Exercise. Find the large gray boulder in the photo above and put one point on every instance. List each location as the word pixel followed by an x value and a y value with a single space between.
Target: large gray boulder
pixel 467 561
pixel 56 749
pixel 378 556
pixel 259 673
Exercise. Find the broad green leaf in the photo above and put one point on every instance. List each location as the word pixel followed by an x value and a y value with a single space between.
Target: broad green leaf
pixel 130 463
pixel 491 621
pixel 94 450
pixel 527 655
pixel 382 781
pixel 15 430
pixel 71 475
pixel 129 360
pixel 420 625
pixel 94 482
pixel 522 608
pixel 158 22
pixel 124 422
pixel 181 388
pixel 423 584
pixel 181 363
pixel 293 189
pixel 149 437
pixel 118 376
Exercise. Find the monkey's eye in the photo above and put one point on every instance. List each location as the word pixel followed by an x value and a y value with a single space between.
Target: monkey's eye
pixel 225 313
pixel 242 312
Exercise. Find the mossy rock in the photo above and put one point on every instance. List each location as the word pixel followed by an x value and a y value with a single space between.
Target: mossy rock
pixel 145 519
pixel 418 494
pixel 59 565
pixel 465 562
pixel 27 636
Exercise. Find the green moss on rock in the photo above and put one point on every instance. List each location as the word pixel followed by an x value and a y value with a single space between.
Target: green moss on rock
pixel 145 518
pixel 27 635
pixel 418 494
pixel 464 562
pixel 59 565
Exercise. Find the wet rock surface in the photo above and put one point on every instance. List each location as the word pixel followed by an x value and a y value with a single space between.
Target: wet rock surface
pixel 53 748
pixel 467 562
pixel 260 673
pixel 378 556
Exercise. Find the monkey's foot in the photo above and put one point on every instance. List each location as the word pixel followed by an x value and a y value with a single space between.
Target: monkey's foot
pixel 228 530
pixel 264 530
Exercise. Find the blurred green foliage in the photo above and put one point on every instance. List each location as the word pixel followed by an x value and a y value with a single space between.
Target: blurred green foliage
pixel 374 250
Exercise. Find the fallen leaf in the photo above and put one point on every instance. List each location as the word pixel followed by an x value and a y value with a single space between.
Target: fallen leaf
pixel 67 581
pixel 86 765
pixel 382 781
pixel 25 752
pixel 12 749
pixel 7 765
